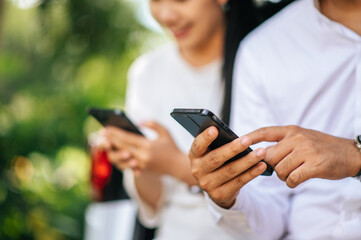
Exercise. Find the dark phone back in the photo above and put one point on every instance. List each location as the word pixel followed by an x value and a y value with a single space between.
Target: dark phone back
pixel 196 121
pixel 116 117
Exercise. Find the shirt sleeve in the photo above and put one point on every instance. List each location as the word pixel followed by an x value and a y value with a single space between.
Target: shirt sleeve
pixel 147 215
pixel 264 202
pixel 231 220
pixel 261 208
pixel 139 108
pixel 138 101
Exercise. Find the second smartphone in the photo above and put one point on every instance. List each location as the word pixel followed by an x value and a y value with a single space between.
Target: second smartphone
pixel 114 117
pixel 196 121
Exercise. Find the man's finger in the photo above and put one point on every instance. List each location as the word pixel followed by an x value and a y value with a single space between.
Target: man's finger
pixel 217 157
pixel 202 141
pixel 299 175
pixel 277 152
pixel 269 134
pixel 230 170
pixel 287 165
pixel 241 180
pixel 227 191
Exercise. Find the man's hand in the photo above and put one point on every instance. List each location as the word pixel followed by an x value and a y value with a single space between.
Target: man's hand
pixel 301 154
pixel 223 182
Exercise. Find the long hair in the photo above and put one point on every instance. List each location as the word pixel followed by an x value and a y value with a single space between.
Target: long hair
pixel 242 16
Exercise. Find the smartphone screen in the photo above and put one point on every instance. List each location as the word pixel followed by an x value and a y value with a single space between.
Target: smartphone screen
pixel 196 121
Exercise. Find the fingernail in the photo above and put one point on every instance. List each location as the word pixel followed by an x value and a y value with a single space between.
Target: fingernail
pixel 245 141
pixel 261 167
pixel 259 152
pixel 211 132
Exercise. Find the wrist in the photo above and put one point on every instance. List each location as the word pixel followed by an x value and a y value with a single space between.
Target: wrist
pixel 181 169
pixel 149 188
pixel 145 174
pixel 357 142
pixel 358 175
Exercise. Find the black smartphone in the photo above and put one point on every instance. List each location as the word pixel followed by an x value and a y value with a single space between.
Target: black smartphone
pixel 114 117
pixel 196 121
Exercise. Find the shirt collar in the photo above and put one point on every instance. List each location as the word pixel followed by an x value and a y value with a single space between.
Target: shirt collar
pixel 326 23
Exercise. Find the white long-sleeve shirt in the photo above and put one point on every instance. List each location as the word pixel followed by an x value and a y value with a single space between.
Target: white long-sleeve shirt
pixel 300 68
pixel 158 82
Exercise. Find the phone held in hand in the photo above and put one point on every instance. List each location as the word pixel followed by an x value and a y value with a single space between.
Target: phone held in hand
pixel 106 179
pixel 196 121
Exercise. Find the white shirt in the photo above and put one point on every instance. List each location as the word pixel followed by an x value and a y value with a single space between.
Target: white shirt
pixel 159 82
pixel 113 220
pixel 300 68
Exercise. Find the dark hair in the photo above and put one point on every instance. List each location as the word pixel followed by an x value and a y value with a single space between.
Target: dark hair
pixel 242 16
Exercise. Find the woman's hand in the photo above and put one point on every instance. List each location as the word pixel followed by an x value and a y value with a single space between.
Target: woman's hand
pixel 160 155
pixel 118 153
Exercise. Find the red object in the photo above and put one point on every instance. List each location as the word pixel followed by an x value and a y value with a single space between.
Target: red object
pixel 101 171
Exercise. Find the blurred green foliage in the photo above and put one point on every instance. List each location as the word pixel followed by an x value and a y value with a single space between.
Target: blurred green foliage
pixel 55 60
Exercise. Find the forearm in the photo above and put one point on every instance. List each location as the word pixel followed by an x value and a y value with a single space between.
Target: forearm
pixel 149 188
pixel 181 169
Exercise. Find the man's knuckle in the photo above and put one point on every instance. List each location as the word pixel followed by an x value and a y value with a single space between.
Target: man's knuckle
pixel 231 170
pixel 254 173
pixel 262 132
pixel 217 195
pixel 251 159
pixel 281 173
pixel 195 171
pixel 293 180
pixel 298 138
pixel 292 128
pixel 191 154
pixel 241 182
pixel 235 149
pixel 212 158
pixel 196 148
pixel 204 184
